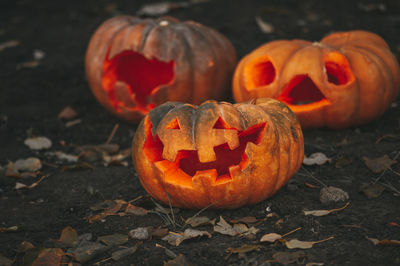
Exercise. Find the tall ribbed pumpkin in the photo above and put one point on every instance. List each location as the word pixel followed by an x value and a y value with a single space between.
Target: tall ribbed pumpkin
pixel 348 78
pixel 134 64
pixel 217 154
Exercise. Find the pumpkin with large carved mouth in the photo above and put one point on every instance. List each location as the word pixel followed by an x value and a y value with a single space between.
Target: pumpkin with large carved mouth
pixel 134 64
pixel 346 79
pixel 217 154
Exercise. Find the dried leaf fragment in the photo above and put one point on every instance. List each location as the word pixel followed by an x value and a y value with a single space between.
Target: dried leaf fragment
pixel 286 258
pixel 372 190
pixel 113 240
pixel 200 220
pixel 135 210
pixel 176 239
pixel 89 250
pixel 180 260
pixel 38 143
pixel 271 237
pixel 122 253
pixel 8 44
pixel 243 249
pixel 49 257
pixel 380 164
pixel 264 26
pixel 68 113
pixel 140 233
pixel 247 220
pixel 68 237
pixel 295 243
pixel 384 242
pixel 324 212
pixel 30 164
pixel 317 158
pixel 332 194
pixel 10 229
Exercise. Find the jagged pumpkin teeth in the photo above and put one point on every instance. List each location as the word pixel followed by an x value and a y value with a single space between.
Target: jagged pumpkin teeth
pixel 217 153
pixel 346 79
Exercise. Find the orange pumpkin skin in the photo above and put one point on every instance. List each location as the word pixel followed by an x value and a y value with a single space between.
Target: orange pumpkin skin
pixel 133 64
pixel 217 154
pixel 346 79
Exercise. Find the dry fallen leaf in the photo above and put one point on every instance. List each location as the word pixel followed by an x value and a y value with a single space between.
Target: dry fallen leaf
pixel 38 143
pixel 384 242
pixel 372 190
pixel 317 158
pixel 135 210
pixel 9 229
pixel 271 237
pixel 122 253
pixel 49 257
pixel 180 260
pixel 380 164
pixel 140 233
pixel 264 26
pixel 38 54
pixel 28 64
pixel 68 237
pixel 324 212
pixel 64 156
pixel 113 240
pixel 332 194
pixel 112 209
pixel 247 220
pixel 88 250
pixel 30 164
pixel 223 227
pixel 68 113
pixel 176 238
pixel 199 221
pixel 295 243
pixel 286 258
pixel 243 249
pixel 8 44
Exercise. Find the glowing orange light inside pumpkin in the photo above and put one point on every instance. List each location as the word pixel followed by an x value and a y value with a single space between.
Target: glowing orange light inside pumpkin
pixel 188 161
pixel 141 75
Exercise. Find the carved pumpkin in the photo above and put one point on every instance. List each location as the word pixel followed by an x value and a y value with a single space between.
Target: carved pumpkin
pixel 133 64
pixel 348 78
pixel 217 154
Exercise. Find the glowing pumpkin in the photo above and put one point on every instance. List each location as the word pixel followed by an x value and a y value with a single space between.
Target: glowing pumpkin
pixel 133 64
pixel 348 78
pixel 217 154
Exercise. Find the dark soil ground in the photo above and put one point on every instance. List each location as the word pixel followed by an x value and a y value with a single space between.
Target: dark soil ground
pixel 32 95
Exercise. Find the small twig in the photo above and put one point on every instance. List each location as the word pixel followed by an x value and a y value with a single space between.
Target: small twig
pixel 172 211
pixel 291 232
pixel 313 177
pixel 391 187
pixel 114 130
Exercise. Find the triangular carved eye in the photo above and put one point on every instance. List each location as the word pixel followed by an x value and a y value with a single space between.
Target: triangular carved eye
pixel 174 124
pixel 221 124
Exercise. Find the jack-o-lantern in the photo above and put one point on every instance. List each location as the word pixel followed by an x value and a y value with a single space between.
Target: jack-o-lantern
pixel 133 64
pixel 348 78
pixel 217 154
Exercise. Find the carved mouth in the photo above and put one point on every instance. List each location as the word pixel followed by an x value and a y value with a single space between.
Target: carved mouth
pixel 301 90
pixel 130 79
pixel 187 163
